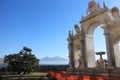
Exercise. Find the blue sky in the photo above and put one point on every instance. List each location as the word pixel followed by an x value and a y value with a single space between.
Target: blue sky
pixel 42 25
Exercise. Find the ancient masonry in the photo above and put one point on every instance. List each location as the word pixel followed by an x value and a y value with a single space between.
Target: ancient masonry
pixel 81 44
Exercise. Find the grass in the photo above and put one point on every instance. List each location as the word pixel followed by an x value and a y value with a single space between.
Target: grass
pixel 36 74
pixel 30 76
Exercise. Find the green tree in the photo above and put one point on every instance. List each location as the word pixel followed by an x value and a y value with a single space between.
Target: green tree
pixel 22 61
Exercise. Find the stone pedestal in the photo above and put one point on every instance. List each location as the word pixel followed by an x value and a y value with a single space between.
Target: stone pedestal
pixel 105 72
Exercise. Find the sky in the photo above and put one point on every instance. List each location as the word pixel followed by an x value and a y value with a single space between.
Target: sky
pixel 42 25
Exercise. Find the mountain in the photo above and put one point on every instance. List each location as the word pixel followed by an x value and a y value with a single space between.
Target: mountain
pixel 54 61
pixel 1 60
pixel 2 64
pixel 46 61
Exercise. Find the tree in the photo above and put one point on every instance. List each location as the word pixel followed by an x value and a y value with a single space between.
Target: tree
pixel 22 61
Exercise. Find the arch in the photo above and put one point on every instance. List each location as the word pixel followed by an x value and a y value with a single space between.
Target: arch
pixel 89 24
pixel 96 16
pixel 92 27
pixel 90 44
pixel 99 41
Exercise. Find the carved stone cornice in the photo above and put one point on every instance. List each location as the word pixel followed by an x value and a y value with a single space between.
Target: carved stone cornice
pixel 103 10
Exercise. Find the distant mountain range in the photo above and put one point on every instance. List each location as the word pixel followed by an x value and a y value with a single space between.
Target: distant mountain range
pixel 1 60
pixel 2 64
pixel 54 61
pixel 46 61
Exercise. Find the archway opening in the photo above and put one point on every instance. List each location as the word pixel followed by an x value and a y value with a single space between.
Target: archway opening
pixel 99 42
pixel 95 44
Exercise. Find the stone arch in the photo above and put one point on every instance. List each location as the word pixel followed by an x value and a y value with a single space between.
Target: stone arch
pixel 96 15
pixel 90 43
pixel 92 27
pixel 89 24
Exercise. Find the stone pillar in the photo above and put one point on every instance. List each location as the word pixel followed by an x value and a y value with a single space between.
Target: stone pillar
pixel 90 54
pixel 117 54
pixel 71 54
pixel 83 55
pixel 109 48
